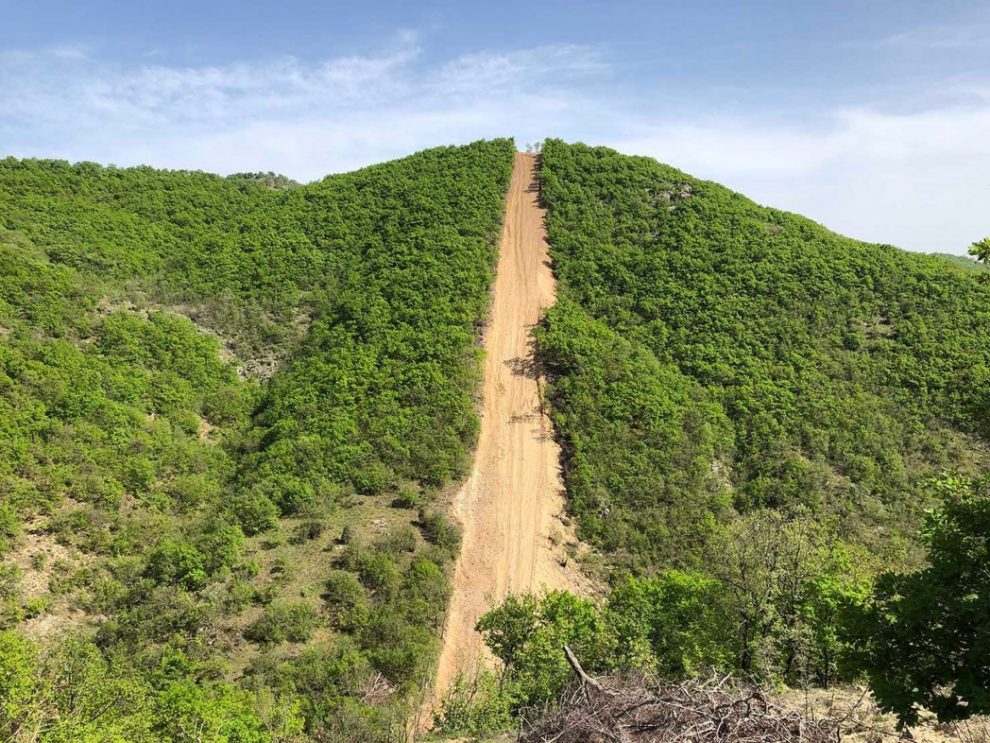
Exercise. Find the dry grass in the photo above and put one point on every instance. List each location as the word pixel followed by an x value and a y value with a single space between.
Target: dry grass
pixel 38 558
pixel 861 721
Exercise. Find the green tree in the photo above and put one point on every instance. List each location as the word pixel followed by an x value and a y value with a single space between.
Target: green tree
pixel 981 250
pixel 923 640
pixel 528 634
pixel 675 624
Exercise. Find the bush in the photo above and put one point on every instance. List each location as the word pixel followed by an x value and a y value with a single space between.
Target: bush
pixel 288 492
pixel 399 540
pixel 307 531
pixel 377 570
pixel 283 621
pixel 346 599
pixel 676 624
pixel 527 633
pixel 408 497
pixel 255 513
pixel 438 530
pixel 179 563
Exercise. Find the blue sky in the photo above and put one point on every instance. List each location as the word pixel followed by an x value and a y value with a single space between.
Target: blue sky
pixel 870 117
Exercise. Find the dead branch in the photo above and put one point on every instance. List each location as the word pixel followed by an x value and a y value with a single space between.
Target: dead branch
pixel 585 678
pixel 637 710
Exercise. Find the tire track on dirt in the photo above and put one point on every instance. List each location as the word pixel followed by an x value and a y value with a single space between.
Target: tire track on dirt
pixel 510 505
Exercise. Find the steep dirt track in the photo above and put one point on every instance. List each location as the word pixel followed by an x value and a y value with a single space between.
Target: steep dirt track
pixel 510 503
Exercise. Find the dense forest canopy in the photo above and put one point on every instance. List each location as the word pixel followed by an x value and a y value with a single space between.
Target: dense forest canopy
pixel 713 357
pixel 228 405
pixel 757 417
pixel 212 391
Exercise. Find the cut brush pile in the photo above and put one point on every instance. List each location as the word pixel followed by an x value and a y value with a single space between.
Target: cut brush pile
pixel 696 711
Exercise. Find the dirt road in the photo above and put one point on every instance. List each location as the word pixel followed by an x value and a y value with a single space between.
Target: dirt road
pixel 509 506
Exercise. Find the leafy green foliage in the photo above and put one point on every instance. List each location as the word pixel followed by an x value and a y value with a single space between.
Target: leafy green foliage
pixel 282 622
pixel 186 361
pixel 771 604
pixel 710 357
pixel 981 250
pixel 528 634
pixel 675 624
pixel 924 637
pixel 379 390
pixel 71 692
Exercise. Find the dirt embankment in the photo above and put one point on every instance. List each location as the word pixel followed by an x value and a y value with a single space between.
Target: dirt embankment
pixel 511 503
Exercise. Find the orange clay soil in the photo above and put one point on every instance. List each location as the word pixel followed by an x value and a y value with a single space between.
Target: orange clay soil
pixel 511 504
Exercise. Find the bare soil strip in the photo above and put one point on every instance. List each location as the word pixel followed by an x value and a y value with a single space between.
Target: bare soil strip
pixel 511 503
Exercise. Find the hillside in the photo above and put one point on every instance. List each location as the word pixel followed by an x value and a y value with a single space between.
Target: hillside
pixel 714 357
pixel 239 418
pixel 225 411
pixel 775 437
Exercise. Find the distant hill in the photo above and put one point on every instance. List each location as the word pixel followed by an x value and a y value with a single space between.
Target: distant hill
pixel 961 261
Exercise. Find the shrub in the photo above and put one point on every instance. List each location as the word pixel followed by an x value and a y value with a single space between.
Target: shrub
pixel 438 530
pixel 178 563
pixel 408 497
pixel 399 540
pixel 377 570
pixel 254 512
pixel 526 633
pixel 676 623
pixel 283 621
pixel 288 492
pixel 346 599
pixel 307 531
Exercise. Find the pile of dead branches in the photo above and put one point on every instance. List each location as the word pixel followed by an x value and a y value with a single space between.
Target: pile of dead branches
pixel 696 711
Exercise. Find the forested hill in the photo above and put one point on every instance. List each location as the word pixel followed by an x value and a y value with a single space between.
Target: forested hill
pixel 228 407
pixel 755 415
pixel 713 357
pixel 225 408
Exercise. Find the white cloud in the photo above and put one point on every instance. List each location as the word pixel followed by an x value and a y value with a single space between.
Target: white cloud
pixel 476 73
pixel 920 180
pixel 306 119
pixel 945 37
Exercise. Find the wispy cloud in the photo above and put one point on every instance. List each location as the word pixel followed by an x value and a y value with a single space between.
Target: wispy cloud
pixel 941 37
pixel 305 118
pixel 58 87
pixel 519 69
pixel 919 179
